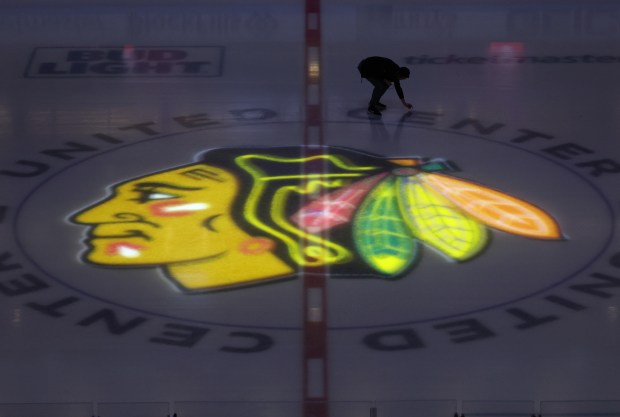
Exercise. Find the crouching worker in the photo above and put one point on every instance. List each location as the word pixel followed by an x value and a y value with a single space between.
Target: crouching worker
pixel 381 73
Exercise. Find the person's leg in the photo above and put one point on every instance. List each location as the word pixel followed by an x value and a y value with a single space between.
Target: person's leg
pixel 380 87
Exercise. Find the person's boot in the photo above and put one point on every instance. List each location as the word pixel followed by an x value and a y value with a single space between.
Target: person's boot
pixel 381 106
pixel 374 110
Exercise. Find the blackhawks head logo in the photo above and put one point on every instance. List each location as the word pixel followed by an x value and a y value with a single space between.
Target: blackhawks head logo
pixel 247 216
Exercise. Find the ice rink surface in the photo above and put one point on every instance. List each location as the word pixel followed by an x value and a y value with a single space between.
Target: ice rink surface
pixel 522 97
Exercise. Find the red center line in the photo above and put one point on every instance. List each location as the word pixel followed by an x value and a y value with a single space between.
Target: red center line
pixel 315 378
pixel 313 132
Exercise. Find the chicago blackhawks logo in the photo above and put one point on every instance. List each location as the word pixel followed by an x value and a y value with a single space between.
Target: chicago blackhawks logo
pixel 241 217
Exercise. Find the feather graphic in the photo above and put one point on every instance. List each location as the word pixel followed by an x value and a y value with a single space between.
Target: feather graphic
pixel 381 236
pixel 435 221
pixel 494 208
pixel 335 208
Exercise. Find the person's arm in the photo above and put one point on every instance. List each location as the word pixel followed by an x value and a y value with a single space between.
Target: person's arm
pixel 401 95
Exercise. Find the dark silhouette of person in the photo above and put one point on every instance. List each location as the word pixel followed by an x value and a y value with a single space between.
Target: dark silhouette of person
pixel 382 72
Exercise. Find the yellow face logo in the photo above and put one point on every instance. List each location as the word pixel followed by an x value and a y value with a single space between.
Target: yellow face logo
pixel 180 218
pixel 163 218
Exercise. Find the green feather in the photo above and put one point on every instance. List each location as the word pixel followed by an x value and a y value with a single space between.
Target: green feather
pixel 381 235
